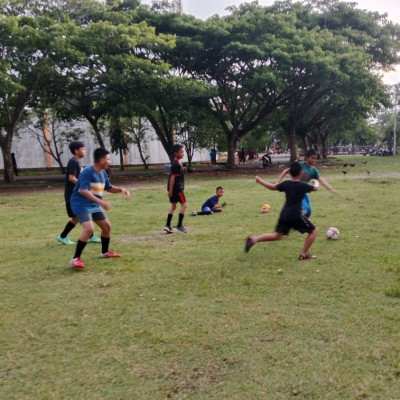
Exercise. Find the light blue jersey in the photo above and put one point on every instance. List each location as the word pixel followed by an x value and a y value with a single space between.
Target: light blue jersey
pixel 96 183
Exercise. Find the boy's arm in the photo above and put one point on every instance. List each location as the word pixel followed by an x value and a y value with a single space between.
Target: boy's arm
pixel 268 185
pixel 122 190
pixel 326 185
pixel 282 175
pixel 72 178
pixel 171 185
pixel 90 196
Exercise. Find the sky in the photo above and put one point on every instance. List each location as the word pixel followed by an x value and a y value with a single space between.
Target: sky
pixel 206 8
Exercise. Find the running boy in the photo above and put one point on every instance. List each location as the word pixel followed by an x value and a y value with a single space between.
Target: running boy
pixel 309 173
pixel 291 214
pixel 211 205
pixel 74 168
pixel 87 204
pixel 176 187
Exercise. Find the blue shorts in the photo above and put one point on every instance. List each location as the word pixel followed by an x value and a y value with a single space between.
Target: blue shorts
pixel 208 209
pixel 97 216
pixel 306 206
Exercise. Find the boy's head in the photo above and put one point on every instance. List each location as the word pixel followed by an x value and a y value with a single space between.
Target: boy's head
pixel 220 191
pixel 295 169
pixel 102 156
pixel 76 146
pixel 311 157
pixel 178 150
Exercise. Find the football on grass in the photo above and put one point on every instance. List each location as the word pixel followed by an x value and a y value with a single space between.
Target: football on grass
pixel 265 208
pixel 332 233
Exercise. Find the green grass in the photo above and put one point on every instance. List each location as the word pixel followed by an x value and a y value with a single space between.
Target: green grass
pixel 194 317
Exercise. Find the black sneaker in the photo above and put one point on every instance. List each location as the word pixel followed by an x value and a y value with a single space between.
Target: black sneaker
pixel 249 243
pixel 180 229
pixel 168 229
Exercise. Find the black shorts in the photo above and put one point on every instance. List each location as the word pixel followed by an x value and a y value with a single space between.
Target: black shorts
pixel 178 197
pixel 69 210
pixel 301 224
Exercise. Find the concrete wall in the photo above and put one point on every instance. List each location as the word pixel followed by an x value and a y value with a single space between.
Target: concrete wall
pixel 29 154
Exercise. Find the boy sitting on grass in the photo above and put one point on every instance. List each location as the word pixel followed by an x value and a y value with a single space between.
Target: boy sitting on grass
pixel 211 205
pixel 291 214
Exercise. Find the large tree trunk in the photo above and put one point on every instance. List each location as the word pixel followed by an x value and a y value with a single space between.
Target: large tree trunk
pixel 230 163
pixel 5 144
pixel 291 136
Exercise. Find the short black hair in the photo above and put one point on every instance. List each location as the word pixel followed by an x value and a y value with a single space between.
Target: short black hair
pixel 99 153
pixel 75 145
pixel 176 147
pixel 295 169
pixel 311 152
pixel 218 187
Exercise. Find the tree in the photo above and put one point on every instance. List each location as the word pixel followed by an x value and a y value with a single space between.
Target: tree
pixel 27 48
pixel 136 129
pixel 51 133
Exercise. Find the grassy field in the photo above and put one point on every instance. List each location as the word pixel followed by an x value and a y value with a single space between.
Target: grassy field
pixel 193 316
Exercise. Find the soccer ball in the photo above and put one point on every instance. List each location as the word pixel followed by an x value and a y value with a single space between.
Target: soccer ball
pixel 332 233
pixel 194 213
pixel 265 208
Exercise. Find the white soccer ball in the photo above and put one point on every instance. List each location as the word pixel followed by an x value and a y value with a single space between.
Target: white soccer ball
pixel 332 233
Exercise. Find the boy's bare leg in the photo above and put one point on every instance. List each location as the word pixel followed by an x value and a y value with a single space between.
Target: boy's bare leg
pixel 309 241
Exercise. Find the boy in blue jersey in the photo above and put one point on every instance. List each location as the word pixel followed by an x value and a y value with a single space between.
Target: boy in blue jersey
pixel 291 215
pixel 176 187
pixel 74 168
pixel 87 204
pixel 211 205
pixel 309 173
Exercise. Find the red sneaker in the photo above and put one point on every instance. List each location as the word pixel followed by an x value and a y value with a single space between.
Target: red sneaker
pixel 307 256
pixel 77 263
pixel 110 254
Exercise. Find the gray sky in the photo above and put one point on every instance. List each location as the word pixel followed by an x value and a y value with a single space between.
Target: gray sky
pixel 206 8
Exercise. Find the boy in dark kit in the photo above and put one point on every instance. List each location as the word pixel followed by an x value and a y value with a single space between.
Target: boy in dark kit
pixel 74 168
pixel 291 214
pixel 176 187
pixel 87 204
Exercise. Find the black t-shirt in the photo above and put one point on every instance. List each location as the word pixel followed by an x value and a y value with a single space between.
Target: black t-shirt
pixel 295 191
pixel 74 167
pixel 177 170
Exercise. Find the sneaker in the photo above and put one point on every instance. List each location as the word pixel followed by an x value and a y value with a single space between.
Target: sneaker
pixel 77 263
pixel 307 256
pixel 180 229
pixel 65 240
pixel 168 229
pixel 94 239
pixel 248 245
pixel 110 254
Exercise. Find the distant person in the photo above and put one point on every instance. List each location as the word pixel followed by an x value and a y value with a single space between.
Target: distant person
pixel 14 164
pixel 87 204
pixel 252 154
pixel 213 157
pixel 211 205
pixel 291 215
pixel 309 172
pixel 241 155
pixel 176 187
pixel 74 168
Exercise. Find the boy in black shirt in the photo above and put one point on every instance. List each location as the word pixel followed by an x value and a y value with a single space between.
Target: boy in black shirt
pixel 291 214
pixel 176 186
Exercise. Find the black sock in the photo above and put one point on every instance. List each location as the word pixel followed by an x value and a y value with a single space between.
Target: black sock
pixel 180 219
pixel 68 228
pixel 169 219
pixel 79 248
pixel 105 242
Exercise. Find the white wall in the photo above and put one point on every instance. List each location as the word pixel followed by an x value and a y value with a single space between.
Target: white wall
pixel 29 154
